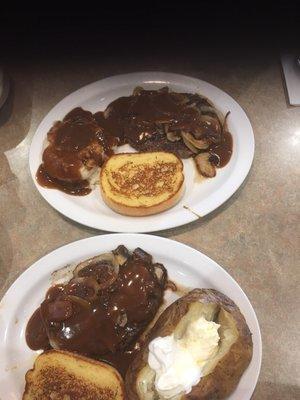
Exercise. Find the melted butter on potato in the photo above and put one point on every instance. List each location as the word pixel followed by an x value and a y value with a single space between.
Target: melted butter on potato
pixel 178 362
pixel 201 339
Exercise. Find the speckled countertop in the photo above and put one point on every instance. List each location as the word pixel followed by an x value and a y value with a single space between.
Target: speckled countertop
pixel 254 236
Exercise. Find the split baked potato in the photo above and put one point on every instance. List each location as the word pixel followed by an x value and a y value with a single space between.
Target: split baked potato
pixel 222 373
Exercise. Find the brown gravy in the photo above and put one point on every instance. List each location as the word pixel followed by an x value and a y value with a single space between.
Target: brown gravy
pixel 222 152
pixel 82 140
pixel 103 324
pixel 77 145
pixel 36 335
pixel 77 188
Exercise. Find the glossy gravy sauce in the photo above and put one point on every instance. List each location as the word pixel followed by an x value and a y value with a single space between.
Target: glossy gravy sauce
pixel 222 152
pixel 82 140
pixel 106 325
pixel 77 188
pixel 76 144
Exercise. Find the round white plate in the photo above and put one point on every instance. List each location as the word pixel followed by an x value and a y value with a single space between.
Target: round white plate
pixel 201 197
pixel 185 265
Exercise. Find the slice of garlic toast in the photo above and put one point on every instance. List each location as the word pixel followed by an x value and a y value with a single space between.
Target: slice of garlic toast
pixel 140 184
pixel 60 375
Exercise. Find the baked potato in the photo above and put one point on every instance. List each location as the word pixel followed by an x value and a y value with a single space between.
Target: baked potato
pixel 222 372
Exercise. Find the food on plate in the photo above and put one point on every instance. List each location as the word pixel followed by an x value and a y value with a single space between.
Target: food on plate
pixel 103 309
pixel 204 165
pixel 198 349
pixel 139 184
pixel 112 308
pixel 77 146
pixel 182 123
pixel 60 375
pixel 186 124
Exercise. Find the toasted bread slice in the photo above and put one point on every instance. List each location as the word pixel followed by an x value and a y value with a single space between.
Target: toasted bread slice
pixel 60 375
pixel 140 184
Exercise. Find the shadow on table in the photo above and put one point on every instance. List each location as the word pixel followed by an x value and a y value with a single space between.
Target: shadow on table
pixel 15 115
pixel 276 391
pixel 7 108
pixel 6 257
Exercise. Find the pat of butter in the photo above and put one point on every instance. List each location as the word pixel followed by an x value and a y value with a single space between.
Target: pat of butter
pixel 201 339
pixel 178 364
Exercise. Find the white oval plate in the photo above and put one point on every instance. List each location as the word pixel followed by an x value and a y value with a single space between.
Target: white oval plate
pixel 185 265
pixel 202 197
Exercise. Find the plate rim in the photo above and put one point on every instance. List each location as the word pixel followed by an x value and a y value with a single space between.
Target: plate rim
pixel 136 236
pixel 184 216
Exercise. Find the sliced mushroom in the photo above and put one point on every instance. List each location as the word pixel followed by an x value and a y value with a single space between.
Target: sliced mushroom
pixel 200 144
pixel 204 166
pixel 140 254
pixel 207 127
pixel 121 254
pixel 173 136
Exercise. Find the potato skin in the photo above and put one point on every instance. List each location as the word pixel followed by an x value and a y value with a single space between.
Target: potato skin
pixel 227 373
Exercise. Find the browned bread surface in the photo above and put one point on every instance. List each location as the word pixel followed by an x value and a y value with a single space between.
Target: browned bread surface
pixel 60 375
pixel 140 184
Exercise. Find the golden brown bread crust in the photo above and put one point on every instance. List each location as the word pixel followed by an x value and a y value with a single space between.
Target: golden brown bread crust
pixel 224 378
pixel 154 207
pixel 143 211
pixel 58 375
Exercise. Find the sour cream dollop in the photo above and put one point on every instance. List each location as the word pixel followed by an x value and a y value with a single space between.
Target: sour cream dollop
pixel 178 363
